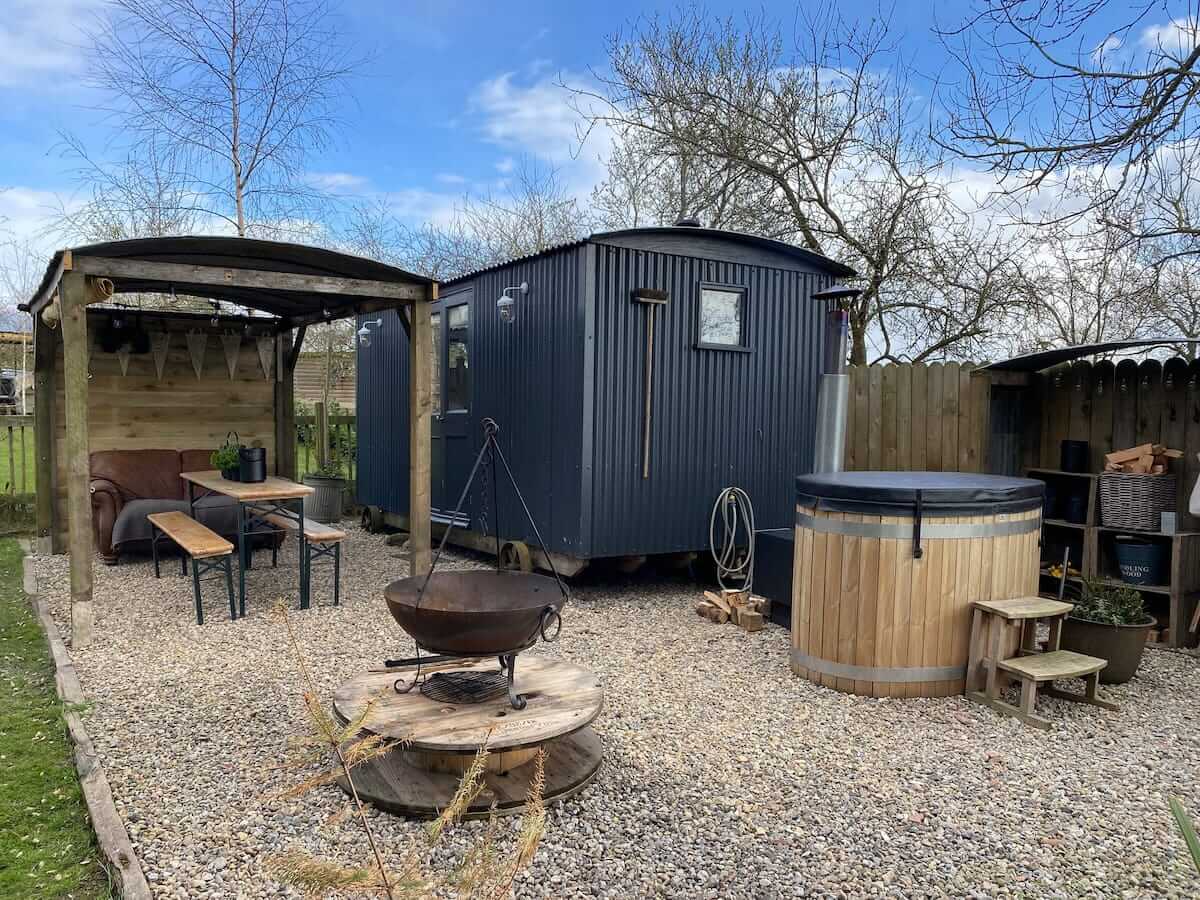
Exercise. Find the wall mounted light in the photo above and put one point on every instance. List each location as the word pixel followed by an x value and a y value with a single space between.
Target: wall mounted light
pixel 507 305
pixel 364 333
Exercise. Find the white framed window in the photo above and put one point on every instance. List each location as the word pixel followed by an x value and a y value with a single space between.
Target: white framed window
pixel 721 317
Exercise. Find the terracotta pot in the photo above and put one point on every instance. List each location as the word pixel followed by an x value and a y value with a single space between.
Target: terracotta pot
pixel 1121 645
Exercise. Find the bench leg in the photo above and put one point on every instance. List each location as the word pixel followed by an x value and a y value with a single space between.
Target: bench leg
pixel 241 516
pixel 196 591
pixel 229 587
pixel 183 561
pixel 305 571
pixel 337 570
pixel 154 548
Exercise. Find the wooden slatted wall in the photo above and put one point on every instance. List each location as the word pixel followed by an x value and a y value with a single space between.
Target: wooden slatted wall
pixel 1113 406
pixel 917 418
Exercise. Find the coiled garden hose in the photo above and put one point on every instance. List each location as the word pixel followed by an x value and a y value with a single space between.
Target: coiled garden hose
pixel 735 513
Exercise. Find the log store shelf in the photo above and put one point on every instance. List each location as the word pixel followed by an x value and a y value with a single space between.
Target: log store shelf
pixel 1176 605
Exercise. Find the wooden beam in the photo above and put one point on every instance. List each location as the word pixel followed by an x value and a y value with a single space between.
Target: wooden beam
pixel 361 308
pixel 44 378
pixel 420 411
pixel 79 501
pixel 252 279
pixel 285 404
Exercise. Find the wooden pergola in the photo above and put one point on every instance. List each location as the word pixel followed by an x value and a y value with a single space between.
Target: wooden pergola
pixel 294 285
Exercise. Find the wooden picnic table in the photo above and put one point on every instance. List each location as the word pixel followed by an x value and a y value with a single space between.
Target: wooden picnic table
pixel 275 496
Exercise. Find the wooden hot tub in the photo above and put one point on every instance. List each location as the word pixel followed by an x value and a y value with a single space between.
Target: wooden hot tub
pixel 886 567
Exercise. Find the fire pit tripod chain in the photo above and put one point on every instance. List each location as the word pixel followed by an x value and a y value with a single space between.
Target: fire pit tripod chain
pixel 462 615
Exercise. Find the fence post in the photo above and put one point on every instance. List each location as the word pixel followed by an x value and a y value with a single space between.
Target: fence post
pixel 322 435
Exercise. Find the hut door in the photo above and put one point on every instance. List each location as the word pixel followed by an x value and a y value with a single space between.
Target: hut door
pixel 451 450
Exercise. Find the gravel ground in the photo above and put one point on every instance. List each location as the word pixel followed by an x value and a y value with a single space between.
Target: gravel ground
pixel 724 776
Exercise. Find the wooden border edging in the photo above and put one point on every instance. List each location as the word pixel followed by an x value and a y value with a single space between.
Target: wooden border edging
pixel 111 836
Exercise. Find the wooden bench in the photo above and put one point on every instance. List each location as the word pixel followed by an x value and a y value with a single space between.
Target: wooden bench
pixel 319 540
pixel 207 550
pixel 1033 666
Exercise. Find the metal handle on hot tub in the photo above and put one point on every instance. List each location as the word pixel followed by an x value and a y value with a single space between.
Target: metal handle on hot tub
pixel 550 614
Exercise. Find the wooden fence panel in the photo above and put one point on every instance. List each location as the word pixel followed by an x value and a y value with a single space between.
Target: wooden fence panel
pixel 1100 434
pixel 917 417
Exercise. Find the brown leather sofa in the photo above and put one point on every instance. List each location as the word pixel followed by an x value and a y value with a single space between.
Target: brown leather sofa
pixel 128 485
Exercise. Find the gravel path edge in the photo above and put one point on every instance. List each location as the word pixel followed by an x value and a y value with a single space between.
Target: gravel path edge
pixel 111 836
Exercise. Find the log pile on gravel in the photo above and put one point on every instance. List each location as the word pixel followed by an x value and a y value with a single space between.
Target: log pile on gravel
pixel 740 607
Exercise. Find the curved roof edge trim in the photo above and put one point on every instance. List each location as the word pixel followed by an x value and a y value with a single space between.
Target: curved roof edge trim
pixel 1045 359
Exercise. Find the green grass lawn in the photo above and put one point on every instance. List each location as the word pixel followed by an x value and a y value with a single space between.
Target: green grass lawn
pixel 46 843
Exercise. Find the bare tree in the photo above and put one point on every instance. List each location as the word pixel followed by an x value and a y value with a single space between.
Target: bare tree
pixel 531 212
pixel 1053 94
pixel 237 94
pixel 651 180
pixel 826 118
pixel 149 193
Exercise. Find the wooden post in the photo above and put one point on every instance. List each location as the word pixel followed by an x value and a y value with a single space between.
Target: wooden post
pixel 72 291
pixel 287 351
pixel 322 423
pixel 44 380
pixel 420 410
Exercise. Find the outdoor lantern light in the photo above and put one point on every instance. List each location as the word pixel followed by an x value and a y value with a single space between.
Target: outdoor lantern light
pixel 364 333
pixel 508 305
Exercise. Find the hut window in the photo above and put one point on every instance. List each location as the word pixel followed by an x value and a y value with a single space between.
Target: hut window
pixel 458 375
pixel 722 324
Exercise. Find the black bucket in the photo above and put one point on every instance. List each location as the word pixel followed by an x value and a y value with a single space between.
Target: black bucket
pixel 1074 456
pixel 1141 561
pixel 1076 509
pixel 252 464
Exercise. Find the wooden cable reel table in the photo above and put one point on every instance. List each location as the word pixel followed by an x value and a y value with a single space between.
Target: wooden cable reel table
pixel 436 742
pixel 464 622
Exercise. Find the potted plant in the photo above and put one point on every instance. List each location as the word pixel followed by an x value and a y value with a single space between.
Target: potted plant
pixel 1109 621
pixel 325 505
pixel 227 458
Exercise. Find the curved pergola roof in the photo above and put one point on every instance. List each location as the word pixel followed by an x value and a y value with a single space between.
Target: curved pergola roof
pixel 296 283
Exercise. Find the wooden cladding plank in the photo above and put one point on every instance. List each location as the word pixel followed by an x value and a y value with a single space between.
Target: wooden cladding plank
pixel 920 414
pixel 1079 383
pixel 949 417
pixel 933 412
pixel 1056 415
pixel 1191 441
pixel 888 413
pixel 1150 403
pixel 1125 404
pixel 1100 425
pixel 968 453
pixel 875 418
pixel 904 418
pixel 862 419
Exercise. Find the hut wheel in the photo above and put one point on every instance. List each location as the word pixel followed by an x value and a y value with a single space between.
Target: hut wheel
pixel 516 555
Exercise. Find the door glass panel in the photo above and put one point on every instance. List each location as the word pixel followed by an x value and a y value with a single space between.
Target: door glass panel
pixel 436 377
pixel 458 375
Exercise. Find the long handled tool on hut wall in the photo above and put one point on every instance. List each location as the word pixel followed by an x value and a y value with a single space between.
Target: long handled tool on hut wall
pixel 653 299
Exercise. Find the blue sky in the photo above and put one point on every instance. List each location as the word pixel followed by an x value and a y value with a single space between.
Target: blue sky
pixel 455 93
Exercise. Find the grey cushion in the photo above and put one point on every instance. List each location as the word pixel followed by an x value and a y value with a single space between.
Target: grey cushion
pixel 215 511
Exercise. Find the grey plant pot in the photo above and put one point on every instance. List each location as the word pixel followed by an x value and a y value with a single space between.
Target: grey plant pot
pixel 325 505
pixel 1121 645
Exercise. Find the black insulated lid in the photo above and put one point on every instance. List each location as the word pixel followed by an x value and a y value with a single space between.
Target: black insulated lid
pixel 942 493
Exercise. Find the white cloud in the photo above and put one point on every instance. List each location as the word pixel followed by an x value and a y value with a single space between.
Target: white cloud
pixel 40 42
pixel 534 117
pixel 336 182
pixel 1173 37
pixel 1110 44
pixel 27 213
pixel 450 178
pixel 506 165
pixel 418 205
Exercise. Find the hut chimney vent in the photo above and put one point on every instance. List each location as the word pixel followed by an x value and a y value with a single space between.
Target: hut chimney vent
pixel 688 222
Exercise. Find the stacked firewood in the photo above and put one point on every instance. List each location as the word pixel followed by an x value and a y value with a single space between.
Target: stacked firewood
pixel 1144 459
pixel 739 607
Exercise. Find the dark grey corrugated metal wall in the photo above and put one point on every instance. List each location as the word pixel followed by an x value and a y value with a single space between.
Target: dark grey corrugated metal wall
pixel 527 375
pixel 719 417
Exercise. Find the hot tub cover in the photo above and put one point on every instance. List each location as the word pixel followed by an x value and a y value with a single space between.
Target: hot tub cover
pixel 940 493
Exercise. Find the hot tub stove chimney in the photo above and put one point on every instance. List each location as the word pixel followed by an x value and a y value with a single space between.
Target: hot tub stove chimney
pixel 835 383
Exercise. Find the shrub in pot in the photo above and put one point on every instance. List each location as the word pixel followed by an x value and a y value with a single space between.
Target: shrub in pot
pixel 325 505
pixel 1109 621
pixel 228 460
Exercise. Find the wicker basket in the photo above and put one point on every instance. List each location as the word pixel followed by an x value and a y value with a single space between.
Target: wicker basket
pixel 1135 501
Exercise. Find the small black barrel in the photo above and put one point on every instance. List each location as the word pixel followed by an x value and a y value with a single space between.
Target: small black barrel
pixel 1074 456
pixel 252 464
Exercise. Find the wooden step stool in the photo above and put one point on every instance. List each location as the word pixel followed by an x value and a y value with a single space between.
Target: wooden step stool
pixel 1032 666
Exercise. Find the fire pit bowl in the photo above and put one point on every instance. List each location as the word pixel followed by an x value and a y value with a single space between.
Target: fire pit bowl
pixel 476 613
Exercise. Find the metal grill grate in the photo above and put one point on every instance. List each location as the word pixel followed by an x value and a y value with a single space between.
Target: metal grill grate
pixel 464 687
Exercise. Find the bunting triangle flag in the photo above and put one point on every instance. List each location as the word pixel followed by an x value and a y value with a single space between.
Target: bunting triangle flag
pixel 197 341
pixel 232 344
pixel 160 342
pixel 123 358
pixel 266 352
